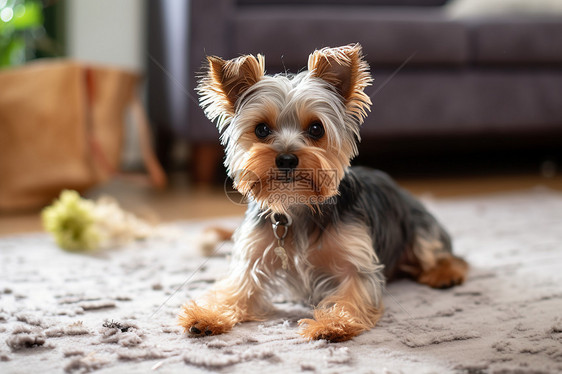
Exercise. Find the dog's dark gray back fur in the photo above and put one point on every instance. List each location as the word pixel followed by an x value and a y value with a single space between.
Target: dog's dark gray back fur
pixel 370 197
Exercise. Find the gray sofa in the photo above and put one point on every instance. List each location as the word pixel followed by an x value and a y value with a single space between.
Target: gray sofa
pixel 458 80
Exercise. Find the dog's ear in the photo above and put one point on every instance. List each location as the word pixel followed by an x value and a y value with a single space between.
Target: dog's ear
pixel 225 81
pixel 346 70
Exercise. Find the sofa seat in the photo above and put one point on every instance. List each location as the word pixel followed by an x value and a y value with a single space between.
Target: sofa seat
pixel 468 102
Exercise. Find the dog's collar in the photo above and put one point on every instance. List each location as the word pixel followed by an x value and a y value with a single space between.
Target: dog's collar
pixel 279 219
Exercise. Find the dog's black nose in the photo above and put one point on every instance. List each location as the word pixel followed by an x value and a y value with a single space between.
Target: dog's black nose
pixel 286 161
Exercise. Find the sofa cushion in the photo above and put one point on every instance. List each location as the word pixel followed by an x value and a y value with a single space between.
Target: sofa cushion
pixel 502 8
pixel 529 40
pixel 389 35
pixel 450 102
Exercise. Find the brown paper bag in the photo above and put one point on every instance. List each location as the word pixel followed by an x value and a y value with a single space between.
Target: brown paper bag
pixel 62 127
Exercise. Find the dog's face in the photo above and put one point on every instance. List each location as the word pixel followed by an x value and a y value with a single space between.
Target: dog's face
pixel 288 139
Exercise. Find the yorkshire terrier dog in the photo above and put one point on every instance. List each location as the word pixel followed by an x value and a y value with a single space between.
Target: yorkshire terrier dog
pixel 328 233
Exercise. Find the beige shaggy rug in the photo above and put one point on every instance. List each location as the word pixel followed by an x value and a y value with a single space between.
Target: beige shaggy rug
pixel 116 312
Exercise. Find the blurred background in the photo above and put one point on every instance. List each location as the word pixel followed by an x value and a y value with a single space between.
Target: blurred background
pixel 467 97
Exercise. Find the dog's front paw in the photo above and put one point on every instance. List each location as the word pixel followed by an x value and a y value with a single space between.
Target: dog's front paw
pixel 329 328
pixel 199 321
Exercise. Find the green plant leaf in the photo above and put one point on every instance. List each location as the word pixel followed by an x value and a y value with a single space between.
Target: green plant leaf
pixel 28 15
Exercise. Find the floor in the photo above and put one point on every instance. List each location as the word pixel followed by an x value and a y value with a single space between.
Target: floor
pixel 184 202
pixel 505 319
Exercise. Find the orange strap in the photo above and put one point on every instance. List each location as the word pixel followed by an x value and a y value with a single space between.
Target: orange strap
pixel 156 174
pixel 155 171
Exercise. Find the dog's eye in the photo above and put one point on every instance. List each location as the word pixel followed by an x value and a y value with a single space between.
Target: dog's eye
pixel 262 131
pixel 316 130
